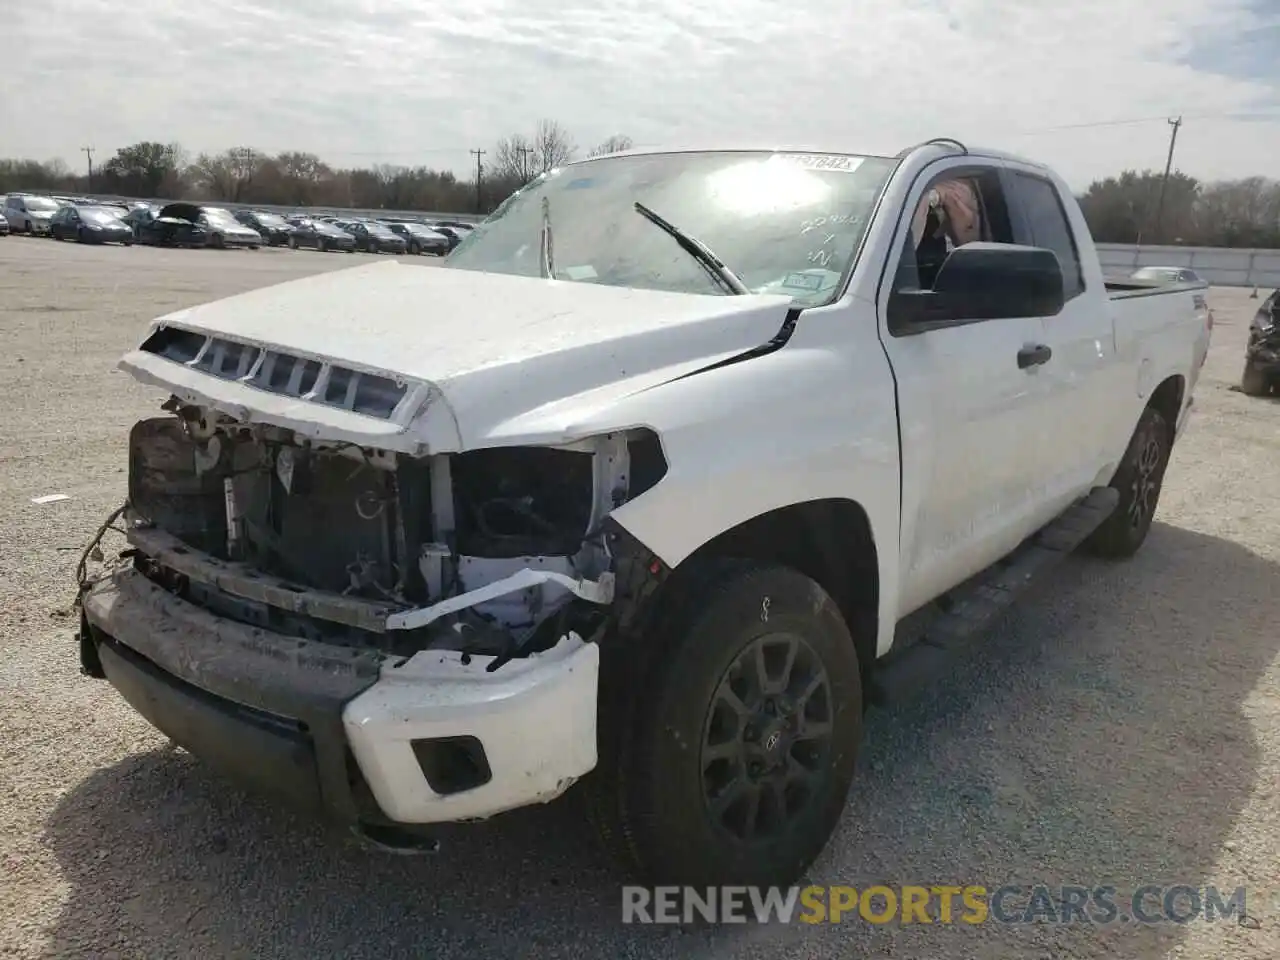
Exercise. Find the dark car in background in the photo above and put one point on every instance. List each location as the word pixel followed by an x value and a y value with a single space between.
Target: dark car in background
pixel 138 215
pixel 455 235
pixel 173 225
pixel 420 238
pixel 320 234
pixel 1262 351
pixel 272 227
pixel 91 224
pixel 374 237
pixel 191 225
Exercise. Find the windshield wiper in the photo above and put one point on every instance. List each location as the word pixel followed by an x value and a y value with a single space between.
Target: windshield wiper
pixel 548 260
pixel 699 251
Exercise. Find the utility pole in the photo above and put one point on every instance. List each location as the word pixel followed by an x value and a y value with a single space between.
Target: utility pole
pixel 524 152
pixel 1164 183
pixel 88 152
pixel 479 176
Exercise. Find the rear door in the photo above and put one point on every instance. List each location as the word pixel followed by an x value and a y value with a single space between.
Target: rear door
pixel 970 415
pixel 1084 377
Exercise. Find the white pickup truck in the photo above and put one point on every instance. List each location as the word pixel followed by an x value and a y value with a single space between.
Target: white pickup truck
pixel 415 545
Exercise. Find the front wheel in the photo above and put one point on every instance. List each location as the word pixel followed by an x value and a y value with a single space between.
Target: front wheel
pixel 1253 382
pixel 321 244
pixel 728 757
pixel 1139 479
pixel 293 243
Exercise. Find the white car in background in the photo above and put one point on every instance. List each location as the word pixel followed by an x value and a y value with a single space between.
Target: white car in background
pixel 1167 275
pixel 29 212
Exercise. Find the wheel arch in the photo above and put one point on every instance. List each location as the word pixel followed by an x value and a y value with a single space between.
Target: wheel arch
pixel 831 542
pixel 1167 400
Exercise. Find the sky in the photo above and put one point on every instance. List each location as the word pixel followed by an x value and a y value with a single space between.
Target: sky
pixel 1085 85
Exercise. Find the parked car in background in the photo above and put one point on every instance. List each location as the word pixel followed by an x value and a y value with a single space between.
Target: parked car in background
pixel 91 224
pixel 226 231
pixel 420 238
pixel 191 225
pixel 1262 351
pixel 320 234
pixel 1167 275
pixel 374 237
pixel 454 234
pixel 29 212
pixel 139 214
pixel 273 228
pixel 173 225
pixel 4 227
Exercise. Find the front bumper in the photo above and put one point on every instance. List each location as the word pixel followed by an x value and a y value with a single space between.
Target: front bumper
pixel 351 733
pixel 241 240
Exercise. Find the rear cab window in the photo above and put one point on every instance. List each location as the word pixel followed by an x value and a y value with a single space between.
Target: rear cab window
pixel 1045 224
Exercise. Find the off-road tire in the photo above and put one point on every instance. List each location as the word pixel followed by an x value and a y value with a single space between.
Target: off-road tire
pixel 1139 479
pixel 1253 382
pixel 646 797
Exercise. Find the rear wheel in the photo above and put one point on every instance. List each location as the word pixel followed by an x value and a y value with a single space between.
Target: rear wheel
pixel 726 757
pixel 1139 479
pixel 1253 382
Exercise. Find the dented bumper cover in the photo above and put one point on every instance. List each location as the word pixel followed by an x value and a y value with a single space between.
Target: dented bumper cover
pixel 354 733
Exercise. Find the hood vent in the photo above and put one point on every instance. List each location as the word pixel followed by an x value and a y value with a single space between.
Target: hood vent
pixel 280 373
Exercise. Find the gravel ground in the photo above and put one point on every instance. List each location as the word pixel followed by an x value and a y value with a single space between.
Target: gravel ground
pixel 1123 727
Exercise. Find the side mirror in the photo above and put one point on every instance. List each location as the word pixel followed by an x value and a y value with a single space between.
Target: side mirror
pixel 982 281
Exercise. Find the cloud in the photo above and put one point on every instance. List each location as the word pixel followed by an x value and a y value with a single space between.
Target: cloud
pixel 422 82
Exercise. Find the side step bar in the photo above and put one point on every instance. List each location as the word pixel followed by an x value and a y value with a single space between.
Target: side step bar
pixel 969 610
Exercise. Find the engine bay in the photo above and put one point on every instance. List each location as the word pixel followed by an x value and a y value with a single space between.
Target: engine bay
pixel 496 551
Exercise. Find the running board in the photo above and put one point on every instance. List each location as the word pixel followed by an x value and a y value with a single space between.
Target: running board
pixel 969 610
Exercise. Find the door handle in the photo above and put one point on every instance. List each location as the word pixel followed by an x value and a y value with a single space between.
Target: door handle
pixel 1034 356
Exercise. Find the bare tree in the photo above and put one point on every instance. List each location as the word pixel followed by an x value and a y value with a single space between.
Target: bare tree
pixel 614 144
pixel 513 159
pixel 300 173
pixel 228 175
pixel 552 146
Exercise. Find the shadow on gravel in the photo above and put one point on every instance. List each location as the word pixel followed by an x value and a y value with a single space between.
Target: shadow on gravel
pixel 1099 739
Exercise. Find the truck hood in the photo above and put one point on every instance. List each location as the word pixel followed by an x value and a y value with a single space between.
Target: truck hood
pixel 477 350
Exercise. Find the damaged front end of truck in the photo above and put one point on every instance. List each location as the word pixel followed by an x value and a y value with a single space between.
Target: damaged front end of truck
pixel 383 632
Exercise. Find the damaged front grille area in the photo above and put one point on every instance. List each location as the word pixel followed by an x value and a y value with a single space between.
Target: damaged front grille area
pixel 496 552
pixel 281 373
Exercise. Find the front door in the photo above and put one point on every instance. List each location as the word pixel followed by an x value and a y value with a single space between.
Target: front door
pixel 971 414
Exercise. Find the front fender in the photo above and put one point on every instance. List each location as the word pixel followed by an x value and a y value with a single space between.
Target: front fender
pixel 811 421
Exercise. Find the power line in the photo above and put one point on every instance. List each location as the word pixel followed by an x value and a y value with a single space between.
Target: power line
pixel 1242 115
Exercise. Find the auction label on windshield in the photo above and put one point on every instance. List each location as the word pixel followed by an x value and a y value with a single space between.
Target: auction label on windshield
pixel 834 162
